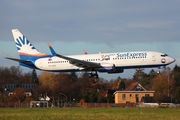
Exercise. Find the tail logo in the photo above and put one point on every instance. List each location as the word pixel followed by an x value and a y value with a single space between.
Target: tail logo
pixel 22 41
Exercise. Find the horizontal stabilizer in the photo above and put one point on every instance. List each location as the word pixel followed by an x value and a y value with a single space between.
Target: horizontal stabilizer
pixel 26 63
pixel 18 60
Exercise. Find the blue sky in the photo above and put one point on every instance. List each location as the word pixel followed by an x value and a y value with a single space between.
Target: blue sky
pixel 94 25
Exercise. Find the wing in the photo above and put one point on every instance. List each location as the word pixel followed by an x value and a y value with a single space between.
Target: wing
pixel 76 62
pixel 79 63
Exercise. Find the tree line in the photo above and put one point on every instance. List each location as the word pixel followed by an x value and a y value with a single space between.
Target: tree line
pixel 78 86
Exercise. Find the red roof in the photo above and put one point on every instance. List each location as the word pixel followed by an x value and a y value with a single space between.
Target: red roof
pixel 134 86
pixel 131 87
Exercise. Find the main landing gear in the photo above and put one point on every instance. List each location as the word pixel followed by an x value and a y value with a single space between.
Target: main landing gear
pixel 93 74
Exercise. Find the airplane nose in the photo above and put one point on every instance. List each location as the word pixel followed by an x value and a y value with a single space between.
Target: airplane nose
pixel 171 60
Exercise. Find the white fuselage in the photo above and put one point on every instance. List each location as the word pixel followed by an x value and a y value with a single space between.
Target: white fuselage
pixel 103 62
pixel 123 60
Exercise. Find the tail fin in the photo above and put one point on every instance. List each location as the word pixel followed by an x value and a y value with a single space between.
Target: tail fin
pixel 24 47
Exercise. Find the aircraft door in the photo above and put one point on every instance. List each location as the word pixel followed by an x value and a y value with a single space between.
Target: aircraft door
pixel 41 63
pixel 153 57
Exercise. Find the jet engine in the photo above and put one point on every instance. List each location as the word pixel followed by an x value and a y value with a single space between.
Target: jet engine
pixel 106 67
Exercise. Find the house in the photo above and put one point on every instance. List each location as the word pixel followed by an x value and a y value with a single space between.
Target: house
pixel 135 93
pixel 9 88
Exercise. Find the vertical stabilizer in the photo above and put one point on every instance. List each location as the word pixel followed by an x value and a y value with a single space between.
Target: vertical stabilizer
pixel 24 47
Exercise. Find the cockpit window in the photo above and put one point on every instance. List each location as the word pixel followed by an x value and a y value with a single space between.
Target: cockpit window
pixel 164 55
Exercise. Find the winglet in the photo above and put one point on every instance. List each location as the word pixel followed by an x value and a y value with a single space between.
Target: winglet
pixel 84 51
pixel 51 49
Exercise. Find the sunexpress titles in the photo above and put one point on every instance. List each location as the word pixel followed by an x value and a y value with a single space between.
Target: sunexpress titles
pixel 137 54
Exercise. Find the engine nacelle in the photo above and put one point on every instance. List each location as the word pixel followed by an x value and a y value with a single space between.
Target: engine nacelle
pixel 106 67
pixel 118 70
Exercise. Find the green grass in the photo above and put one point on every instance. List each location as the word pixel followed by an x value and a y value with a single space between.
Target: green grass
pixel 89 114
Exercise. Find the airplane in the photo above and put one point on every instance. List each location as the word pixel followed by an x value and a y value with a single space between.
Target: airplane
pixel 110 63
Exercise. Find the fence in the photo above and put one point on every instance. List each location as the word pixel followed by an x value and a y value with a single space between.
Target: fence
pixel 84 105
pixel 14 105
pixel 33 104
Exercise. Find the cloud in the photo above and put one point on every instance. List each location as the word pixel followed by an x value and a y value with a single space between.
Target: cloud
pixel 93 22
pixel 152 25
pixel 109 22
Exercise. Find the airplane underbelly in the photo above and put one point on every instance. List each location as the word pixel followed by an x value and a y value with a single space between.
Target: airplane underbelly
pixel 133 62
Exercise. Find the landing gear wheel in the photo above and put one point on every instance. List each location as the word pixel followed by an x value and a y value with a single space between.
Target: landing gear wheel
pixel 90 75
pixel 96 75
